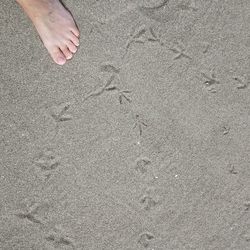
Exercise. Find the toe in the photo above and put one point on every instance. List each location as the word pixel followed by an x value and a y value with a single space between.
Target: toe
pixel 57 55
pixel 74 39
pixel 71 47
pixel 66 52
pixel 75 31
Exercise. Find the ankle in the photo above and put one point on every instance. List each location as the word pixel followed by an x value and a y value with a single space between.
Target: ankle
pixel 36 8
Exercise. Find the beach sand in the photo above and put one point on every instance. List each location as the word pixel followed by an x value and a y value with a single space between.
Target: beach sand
pixel 141 141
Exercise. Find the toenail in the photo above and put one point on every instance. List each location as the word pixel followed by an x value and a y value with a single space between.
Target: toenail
pixel 61 60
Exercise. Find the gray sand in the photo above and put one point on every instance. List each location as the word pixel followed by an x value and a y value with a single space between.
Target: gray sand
pixel 141 141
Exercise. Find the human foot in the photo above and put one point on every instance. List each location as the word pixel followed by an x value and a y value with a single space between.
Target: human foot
pixel 55 26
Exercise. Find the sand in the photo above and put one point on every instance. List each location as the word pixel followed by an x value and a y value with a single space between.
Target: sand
pixel 141 141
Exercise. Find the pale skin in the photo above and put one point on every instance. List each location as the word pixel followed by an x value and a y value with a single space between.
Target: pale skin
pixel 55 26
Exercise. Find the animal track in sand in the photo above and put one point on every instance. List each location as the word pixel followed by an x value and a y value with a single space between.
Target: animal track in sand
pixel 32 211
pixel 157 4
pixel 137 35
pixel 29 217
pixel 240 83
pixel 144 167
pixel 47 161
pixel 145 239
pixel 59 114
pixel 149 200
pixel 109 68
pixel 100 90
pixel 210 81
pixel 232 169
pixel 160 4
pixel 154 37
pixel 139 123
pixel 106 67
pixel 165 10
pixel 153 4
pixel 58 238
pixel 141 35
pixel 179 50
pixel 122 94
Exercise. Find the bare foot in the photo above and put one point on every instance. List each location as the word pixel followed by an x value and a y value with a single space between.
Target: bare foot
pixel 55 26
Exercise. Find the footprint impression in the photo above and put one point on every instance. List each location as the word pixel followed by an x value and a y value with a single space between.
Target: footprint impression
pixel 144 168
pixel 145 239
pixel 46 162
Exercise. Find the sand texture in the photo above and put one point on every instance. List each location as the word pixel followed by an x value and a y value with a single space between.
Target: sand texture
pixel 140 142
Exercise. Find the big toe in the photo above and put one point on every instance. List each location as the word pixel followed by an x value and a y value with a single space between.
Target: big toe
pixel 57 56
